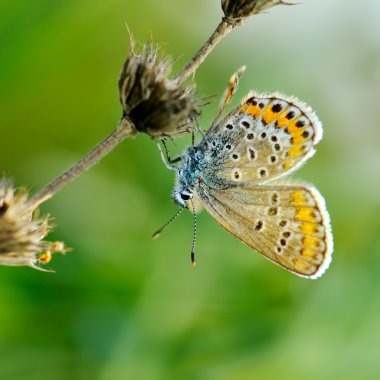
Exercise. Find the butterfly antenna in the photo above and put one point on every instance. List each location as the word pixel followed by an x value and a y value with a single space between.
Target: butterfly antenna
pixel 193 262
pixel 158 232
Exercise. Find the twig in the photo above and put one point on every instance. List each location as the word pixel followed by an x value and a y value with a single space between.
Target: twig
pixel 124 129
pixel 224 27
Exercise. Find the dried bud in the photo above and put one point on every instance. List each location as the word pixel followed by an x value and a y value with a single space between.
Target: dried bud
pixel 240 9
pixel 20 235
pixel 155 104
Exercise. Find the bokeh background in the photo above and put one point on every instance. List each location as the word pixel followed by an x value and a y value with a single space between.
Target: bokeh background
pixel 121 306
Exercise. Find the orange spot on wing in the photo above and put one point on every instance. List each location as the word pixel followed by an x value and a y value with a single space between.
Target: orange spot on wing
pixel 269 115
pixel 297 139
pixel 297 132
pixel 282 121
pixel 292 128
pixel 308 253
pixel 310 242
pixel 309 228
pixel 295 151
pixel 299 198
pixel 287 164
pixel 255 111
pixel 306 214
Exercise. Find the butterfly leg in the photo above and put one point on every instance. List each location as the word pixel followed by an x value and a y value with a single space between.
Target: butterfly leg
pixel 170 160
pixel 167 160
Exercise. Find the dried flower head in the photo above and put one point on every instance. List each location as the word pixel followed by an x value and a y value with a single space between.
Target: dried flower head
pixel 20 235
pixel 240 9
pixel 155 104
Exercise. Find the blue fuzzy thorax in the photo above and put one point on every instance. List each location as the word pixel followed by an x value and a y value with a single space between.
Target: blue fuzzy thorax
pixel 193 163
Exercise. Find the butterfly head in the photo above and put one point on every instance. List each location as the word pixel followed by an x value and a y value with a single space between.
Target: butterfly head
pixel 181 197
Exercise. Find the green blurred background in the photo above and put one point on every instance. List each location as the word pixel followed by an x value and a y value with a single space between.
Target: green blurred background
pixel 122 306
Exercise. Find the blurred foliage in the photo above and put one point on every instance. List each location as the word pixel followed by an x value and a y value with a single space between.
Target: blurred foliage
pixel 121 306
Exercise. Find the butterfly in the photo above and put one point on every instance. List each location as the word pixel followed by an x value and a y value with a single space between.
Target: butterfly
pixel 236 173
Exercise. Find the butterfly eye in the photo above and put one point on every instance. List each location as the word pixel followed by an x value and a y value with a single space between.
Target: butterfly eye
pixel 185 197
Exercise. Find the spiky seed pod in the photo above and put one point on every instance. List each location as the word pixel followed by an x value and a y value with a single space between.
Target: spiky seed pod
pixel 21 236
pixel 155 104
pixel 240 9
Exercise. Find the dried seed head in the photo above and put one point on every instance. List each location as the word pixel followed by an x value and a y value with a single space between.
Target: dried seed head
pixel 240 9
pixel 20 235
pixel 155 104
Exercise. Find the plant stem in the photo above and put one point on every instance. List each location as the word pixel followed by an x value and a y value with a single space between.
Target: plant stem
pixel 124 129
pixel 224 27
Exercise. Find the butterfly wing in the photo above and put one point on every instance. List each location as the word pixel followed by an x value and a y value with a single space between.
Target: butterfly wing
pixel 264 138
pixel 287 224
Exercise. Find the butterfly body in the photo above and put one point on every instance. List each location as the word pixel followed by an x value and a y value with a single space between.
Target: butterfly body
pixel 235 169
